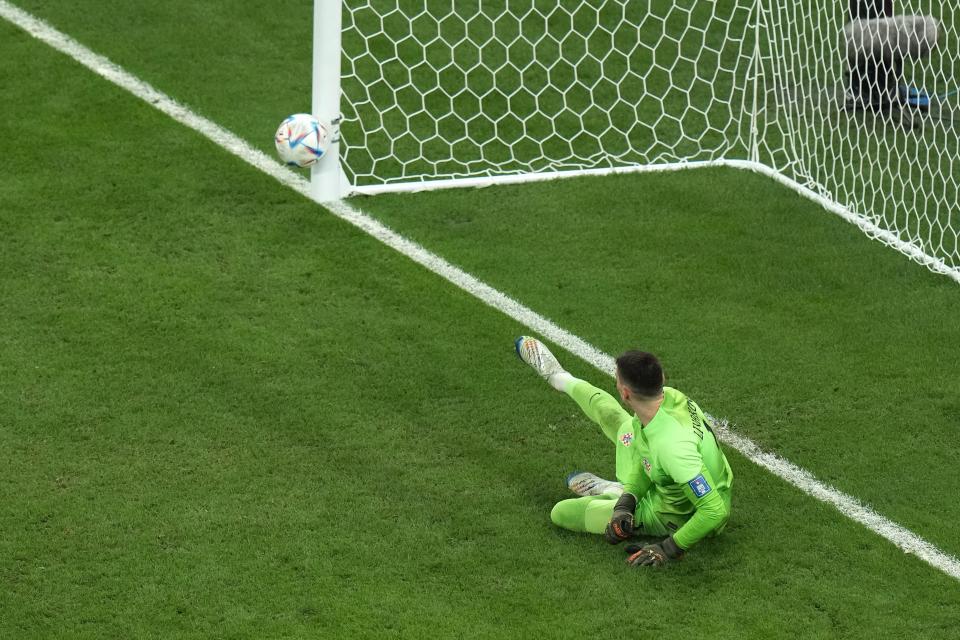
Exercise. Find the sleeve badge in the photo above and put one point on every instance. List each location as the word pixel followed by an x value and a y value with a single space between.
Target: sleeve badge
pixel 700 486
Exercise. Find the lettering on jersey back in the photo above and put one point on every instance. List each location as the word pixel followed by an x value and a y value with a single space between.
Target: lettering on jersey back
pixel 695 418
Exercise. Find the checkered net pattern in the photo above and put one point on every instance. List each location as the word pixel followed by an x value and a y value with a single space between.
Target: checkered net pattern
pixel 443 89
pixel 891 159
pixel 437 89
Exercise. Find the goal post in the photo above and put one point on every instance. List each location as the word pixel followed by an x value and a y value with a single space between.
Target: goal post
pixel 326 180
pixel 451 93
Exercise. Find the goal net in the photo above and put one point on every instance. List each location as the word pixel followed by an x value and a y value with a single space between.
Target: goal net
pixel 440 93
pixel 872 132
pixel 444 89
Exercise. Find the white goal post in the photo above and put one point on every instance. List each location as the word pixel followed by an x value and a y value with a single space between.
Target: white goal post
pixel 849 102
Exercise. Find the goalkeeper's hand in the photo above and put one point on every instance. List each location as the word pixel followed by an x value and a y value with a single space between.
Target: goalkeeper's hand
pixel 620 527
pixel 656 554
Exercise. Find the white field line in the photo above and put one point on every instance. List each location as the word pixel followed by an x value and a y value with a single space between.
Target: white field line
pixel 903 538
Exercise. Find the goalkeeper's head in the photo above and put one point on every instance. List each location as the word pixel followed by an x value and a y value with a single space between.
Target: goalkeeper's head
pixel 639 376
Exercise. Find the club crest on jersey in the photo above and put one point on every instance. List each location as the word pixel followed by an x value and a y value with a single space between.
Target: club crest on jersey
pixel 646 465
pixel 627 438
pixel 699 486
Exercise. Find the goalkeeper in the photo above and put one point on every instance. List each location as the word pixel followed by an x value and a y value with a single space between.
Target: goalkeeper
pixel 674 481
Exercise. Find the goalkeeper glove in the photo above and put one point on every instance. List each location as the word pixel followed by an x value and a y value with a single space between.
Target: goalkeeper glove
pixel 656 554
pixel 620 527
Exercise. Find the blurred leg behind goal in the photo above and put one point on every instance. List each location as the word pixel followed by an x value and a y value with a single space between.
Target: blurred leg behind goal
pixel 872 82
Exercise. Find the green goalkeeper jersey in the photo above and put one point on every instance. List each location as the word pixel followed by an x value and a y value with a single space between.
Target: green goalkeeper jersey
pixel 675 457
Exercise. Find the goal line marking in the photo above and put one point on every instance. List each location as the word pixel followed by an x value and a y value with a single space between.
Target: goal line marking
pixel 849 506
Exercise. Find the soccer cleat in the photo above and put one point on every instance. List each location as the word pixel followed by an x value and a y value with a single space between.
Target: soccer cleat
pixel 584 483
pixel 536 354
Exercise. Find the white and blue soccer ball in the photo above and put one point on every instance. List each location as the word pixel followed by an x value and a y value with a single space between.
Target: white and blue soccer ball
pixel 301 140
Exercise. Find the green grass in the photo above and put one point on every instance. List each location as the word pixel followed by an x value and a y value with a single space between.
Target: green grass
pixel 819 344
pixel 226 413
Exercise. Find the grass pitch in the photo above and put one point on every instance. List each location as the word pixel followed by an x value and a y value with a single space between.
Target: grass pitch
pixel 225 413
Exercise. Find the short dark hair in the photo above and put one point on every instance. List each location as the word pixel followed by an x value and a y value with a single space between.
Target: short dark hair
pixel 641 371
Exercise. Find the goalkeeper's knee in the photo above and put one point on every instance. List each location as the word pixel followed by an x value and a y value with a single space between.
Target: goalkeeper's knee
pixel 568 514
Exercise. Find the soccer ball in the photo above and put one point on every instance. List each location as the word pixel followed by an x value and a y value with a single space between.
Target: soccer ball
pixel 301 140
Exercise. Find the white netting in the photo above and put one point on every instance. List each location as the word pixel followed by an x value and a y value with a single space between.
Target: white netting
pixel 452 88
pixel 861 133
pixel 440 89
